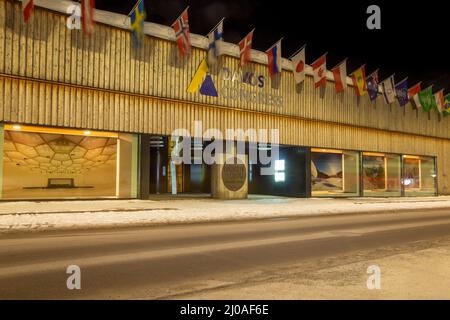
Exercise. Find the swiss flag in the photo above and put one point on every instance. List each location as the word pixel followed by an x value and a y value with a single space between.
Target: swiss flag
pixel 340 76
pixel 320 71
pixel 245 47
pixel 27 9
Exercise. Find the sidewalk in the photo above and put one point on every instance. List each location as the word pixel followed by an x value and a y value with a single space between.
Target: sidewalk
pixel 65 215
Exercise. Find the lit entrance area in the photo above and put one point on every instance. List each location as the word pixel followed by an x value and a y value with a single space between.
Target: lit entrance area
pixel 381 174
pixel 165 177
pixel 53 163
pixel 419 175
pixel 291 172
pixel 335 173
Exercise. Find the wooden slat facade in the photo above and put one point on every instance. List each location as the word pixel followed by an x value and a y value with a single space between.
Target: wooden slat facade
pixel 53 76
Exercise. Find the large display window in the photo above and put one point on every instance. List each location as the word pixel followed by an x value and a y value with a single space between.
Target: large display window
pixel 381 174
pixel 50 163
pixel 419 176
pixel 335 173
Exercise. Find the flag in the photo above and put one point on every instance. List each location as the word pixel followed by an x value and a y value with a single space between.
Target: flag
pixel 274 58
pixel 388 90
pixel 137 16
pixel 182 33
pixel 215 38
pixel 440 101
pixel 427 99
pixel 27 9
pixel 298 65
pixel 401 90
pixel 413 95
pixel 446 111
pixel 359 81
pixel 245 48
pixel 372 85
pixel 87 16
pixel 340 76
pixel 320 71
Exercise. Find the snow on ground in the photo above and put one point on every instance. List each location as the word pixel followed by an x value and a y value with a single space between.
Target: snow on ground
pixel 52 215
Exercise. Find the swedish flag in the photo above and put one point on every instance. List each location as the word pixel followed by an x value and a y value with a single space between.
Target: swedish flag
pixel 137 16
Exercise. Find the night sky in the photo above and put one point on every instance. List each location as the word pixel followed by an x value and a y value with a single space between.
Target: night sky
pixel 413 42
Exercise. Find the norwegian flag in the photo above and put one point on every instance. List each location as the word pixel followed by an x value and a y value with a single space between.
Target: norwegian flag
pixel 87 16
pixel 182 34
pixel 320 71
pixel 27 9
pixel 245 48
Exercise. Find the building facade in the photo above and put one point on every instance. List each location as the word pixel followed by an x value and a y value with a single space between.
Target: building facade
pixel 92 117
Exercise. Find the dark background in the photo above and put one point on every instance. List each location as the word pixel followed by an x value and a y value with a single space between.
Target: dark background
pixel 413 40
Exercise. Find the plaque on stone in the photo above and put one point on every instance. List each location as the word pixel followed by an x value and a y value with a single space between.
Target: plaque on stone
pixel 234 174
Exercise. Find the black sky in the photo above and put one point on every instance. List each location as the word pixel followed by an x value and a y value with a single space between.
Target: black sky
pixel 413 41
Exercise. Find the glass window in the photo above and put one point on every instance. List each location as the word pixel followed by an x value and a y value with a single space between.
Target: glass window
pixel 381 174
pixel 334 173
pixel 419 176
pixel 49 164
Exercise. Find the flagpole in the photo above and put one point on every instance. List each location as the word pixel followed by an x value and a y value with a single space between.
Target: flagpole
pixel 376 71
pixel 181 14
pixel 215 27
pixel 339 64
pixel 275 44
pixel 402 81
pixel 292 55
pixel 137 3
pixel 391 76
pixel 319 57
pixel 253 30
pixel 362 66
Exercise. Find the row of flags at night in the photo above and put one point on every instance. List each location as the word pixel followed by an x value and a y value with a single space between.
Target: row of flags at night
pixel 421 99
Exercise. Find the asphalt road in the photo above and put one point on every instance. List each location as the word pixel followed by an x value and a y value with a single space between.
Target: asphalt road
pixel 191 260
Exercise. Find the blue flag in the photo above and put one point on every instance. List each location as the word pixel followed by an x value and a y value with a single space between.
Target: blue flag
pixel 137 17
pixel 372 85
pixel 401 89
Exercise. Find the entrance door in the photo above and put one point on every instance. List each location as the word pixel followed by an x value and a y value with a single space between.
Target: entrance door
pixel 158 165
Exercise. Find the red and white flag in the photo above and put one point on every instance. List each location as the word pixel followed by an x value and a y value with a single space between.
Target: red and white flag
pixel 320 71
pixel 340 76
pixel 245 48
pixel 27 9
pixel 87 16
pixel 413 94
pixel 298 66
pixel 182 33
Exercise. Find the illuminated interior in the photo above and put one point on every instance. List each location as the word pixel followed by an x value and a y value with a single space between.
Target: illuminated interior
pixel 334 173
pixel 419 175
pixel 381 174
pixel 48 163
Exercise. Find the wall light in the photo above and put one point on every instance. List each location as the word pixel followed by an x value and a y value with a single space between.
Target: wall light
pixel 87 133
pixel 16 127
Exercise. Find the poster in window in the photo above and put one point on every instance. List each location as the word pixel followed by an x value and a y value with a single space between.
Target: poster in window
pixel 374 173
pixel 326 171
